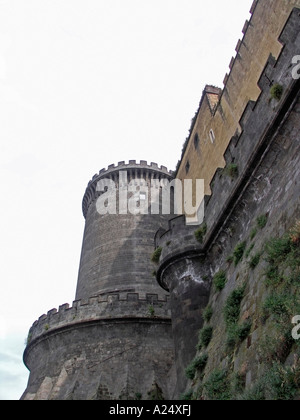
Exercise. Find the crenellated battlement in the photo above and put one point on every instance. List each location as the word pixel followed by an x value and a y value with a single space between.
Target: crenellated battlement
pixel 134 170
pixel 239 45
pixel 242 156
pixel 132 164
pixel 102 307
pixel 179 238
pixel 218 116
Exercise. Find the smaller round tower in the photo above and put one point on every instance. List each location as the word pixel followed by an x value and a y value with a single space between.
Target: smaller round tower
pixel 115 341
pixel 184 271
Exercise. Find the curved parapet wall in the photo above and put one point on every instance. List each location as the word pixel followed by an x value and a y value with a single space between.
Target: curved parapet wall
pixel 114 306
pixel 176 243
pixel 107 347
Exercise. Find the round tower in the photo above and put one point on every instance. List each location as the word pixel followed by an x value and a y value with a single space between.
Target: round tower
pixel 184 271
pixel 115 341
pixel 118 243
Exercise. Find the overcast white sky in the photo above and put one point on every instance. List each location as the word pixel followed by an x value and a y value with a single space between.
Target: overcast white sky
pixel 83 84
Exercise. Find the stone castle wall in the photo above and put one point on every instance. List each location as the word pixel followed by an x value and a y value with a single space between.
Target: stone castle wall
pixel 118 339
pixel 247 210
pixel 222 110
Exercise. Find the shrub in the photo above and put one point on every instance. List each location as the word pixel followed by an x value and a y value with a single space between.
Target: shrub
pixel 276 91
pixel 238 383
pixel 253 233
pixel 205 336
pixel 156 394
pixel 239 252
pixel 156 255
pixel 217 387
pixel 277 305
pixel 187 396
pixel 255 260
pixel 231 340
pixel 219 280
pixel 230 259
pixel 262 221
pixel 283 256
pixel 243 330
pixel 200 233
pixel 282 253
pixel 190 371
pixel 276 348
pixel 277 249
pixel 281 383
pixel 232 170
pixel 238 333
pixel 232 306
pixel 151 311
pixel 198 364
pixel 256 393
pixel 273 277
pixel 207 313
pixel 278 383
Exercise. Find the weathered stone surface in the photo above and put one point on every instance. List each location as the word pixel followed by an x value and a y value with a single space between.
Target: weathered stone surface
pixel 116 359
pixel 115 341
pixel 116 248
pixel 189 288
pixel 267 154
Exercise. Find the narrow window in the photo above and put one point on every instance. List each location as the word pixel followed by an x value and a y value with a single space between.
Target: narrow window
pixel 196 141
pixel 187 167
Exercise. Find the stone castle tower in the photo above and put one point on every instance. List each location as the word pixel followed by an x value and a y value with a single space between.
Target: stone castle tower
pixel 131 336
pixel 115 342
